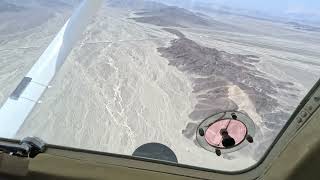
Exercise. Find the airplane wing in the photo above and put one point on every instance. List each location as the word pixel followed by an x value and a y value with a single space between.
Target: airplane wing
pixel 27 94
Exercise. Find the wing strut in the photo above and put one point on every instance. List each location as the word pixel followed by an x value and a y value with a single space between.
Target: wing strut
pixel 27 94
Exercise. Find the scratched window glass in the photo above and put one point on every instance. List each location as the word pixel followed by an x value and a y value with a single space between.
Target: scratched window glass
pixel 210 83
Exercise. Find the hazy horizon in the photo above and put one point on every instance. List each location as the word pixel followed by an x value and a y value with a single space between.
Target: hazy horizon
pixel 290 10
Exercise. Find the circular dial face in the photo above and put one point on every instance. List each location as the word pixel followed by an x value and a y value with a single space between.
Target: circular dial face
pixel 236 129
pixel 226 131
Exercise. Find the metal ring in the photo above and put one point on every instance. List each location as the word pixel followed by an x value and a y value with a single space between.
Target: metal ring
pixel 205 124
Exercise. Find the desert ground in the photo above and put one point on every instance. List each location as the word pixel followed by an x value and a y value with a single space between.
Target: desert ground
pixel 140 76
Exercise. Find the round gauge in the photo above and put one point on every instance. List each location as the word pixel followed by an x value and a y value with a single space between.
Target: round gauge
pixel 236 130
pixel 225 132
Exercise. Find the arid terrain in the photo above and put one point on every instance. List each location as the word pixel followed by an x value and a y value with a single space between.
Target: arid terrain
pixel 147 72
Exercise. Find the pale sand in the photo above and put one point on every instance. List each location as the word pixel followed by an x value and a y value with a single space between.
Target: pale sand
pixel 114 97
pixel 244 104
pixel 116 93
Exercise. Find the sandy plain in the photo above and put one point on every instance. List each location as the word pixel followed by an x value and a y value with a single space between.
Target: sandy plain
pixel 117 91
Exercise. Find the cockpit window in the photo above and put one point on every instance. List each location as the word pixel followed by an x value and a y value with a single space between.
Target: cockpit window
pixel 203 83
